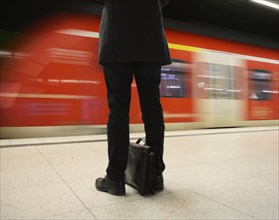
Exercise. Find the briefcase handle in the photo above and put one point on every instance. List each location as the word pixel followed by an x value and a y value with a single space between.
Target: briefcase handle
pixel 141 139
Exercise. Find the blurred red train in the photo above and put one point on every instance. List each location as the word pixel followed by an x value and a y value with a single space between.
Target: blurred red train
pixel 52 84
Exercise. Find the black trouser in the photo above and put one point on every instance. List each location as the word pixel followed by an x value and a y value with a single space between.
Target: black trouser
pixel 119 77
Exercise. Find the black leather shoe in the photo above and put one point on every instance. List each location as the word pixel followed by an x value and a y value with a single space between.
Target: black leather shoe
pixel 112 187
pixel 159 183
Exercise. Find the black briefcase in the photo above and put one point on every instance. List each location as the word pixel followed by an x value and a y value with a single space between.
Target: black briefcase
pixel 140 172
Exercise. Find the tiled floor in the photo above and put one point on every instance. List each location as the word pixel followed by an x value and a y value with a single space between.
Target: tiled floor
pixel 211 174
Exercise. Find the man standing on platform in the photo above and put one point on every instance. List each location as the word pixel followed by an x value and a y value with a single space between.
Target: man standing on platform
pixel 132 44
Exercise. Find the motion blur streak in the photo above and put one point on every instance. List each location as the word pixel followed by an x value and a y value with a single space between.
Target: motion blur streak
pixel 51 82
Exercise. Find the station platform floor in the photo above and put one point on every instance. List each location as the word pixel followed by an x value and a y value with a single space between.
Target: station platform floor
pixel 210 174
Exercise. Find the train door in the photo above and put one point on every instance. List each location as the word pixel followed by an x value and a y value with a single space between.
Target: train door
pixel 219 86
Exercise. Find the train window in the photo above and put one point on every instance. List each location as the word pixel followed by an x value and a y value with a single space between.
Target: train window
pixel 260 85
pixel 216 81
pixel 221 82
pixel 174 80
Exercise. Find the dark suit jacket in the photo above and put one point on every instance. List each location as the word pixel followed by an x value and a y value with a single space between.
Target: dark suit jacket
pixel 132 31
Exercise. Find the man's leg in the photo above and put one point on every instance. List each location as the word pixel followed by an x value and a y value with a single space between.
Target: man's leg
pixel 148 78
pixel 118 79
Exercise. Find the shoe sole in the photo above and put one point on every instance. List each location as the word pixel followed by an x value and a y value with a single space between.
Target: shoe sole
pixel 115 192
pixel 118 192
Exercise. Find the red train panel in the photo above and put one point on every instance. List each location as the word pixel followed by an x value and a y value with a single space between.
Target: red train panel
pixel 53 78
